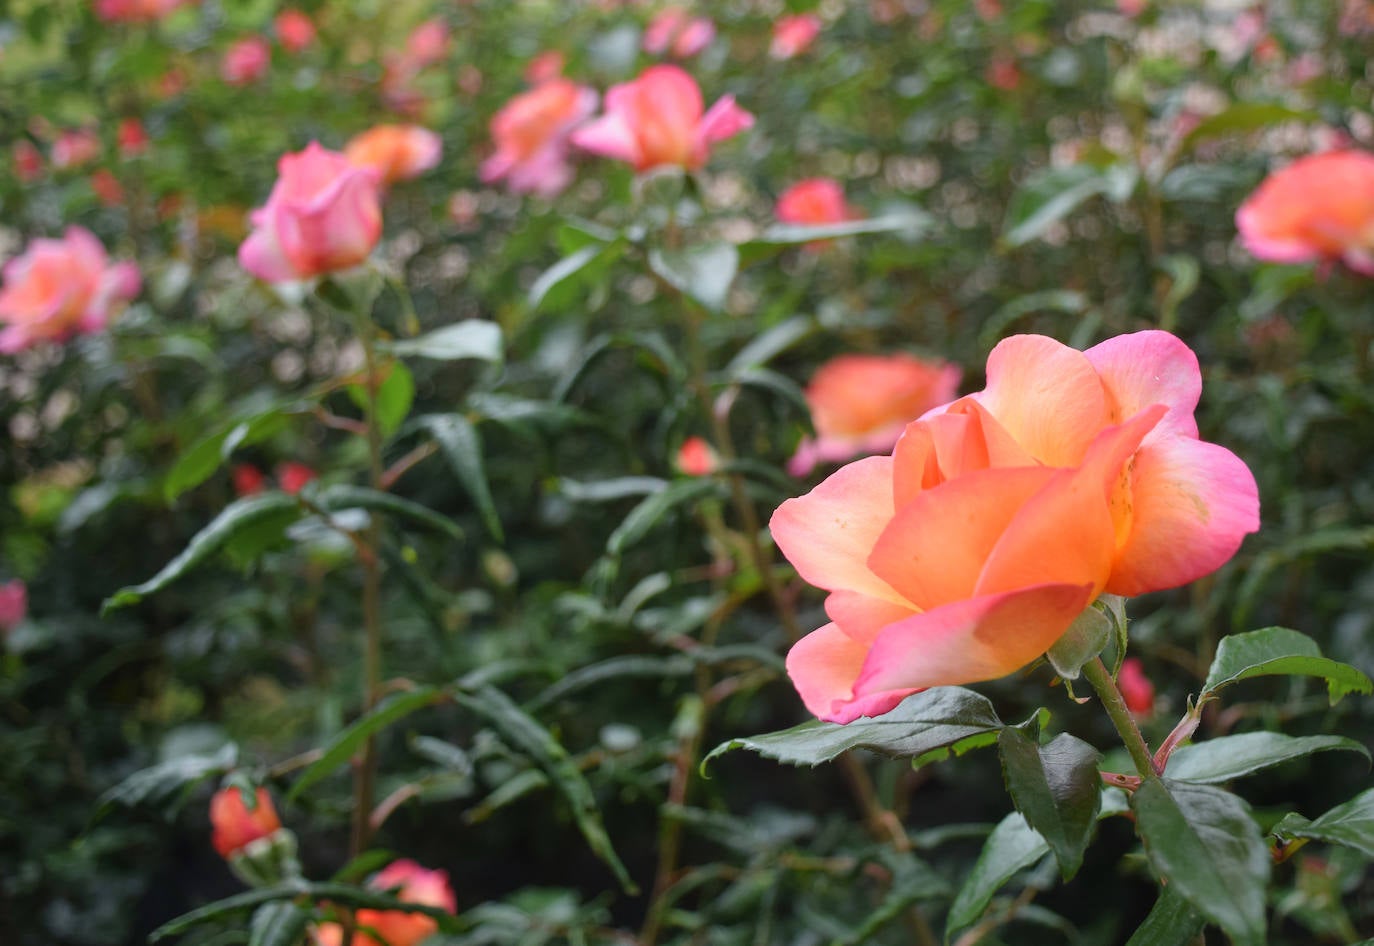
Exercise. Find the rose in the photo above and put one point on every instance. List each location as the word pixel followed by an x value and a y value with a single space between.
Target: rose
pixel 412 884
pixel 324 214
pixel 234 825
pixel 136 11
pixel 75 147
pixel 657 120
pixel 396 152
pixel 696 457
pixel 1136 688
pixel 793 35
pixel 245 61
pixel 14 604
pixel 860 404
pixel 59 288
pixel 998 518
pixel 1320 207
pixel 531 134
pixel 295 30
pixel 816 200
pixel 673 31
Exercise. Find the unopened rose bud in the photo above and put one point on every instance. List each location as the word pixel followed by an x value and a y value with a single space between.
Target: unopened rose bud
pixel 1136 688
pixel 235 824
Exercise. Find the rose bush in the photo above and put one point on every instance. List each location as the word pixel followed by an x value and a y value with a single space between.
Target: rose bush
pixel 998 518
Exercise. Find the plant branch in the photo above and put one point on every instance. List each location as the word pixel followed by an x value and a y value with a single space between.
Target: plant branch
pixel 1096 673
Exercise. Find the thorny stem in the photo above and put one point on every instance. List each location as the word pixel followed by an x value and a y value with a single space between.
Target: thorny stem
pixel 1112 701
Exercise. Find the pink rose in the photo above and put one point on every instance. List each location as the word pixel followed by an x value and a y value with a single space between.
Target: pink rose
pixel 1136 688
pixel 324 214
pixel 657 120
pixel 547 65
pixel 793 35
pixel 673 31
pixel 411 884
pixel 131 137
pixel 860 404
pixel 75 147
pixel 531 133
pixel 295 31
pixel 997 519
pixel 14 604
pixel 59 288
pixel 427 44
pixel 396 152
pixel 696 458
pixel 245 61
pixel 136 11
pixel 1320 207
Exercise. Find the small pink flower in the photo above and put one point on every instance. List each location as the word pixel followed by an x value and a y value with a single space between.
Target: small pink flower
pixel 1320 207
pixel 75 147
pixel 60 288
pixel 1136 688
pixel 131 137
pixel 136 11
pixel 531 132
pixel 14 604
pixel 292 477
pixel 657 120
pixel 1131 8
pixel 860 404
pixel 396 152
pixel 696 457
pixel 245 61
pixel 544 67
pixel 28 161
pixel 324 214
pixel 427 44
pixel 816 200
pixel 107 188
pixel 793 35
pixel 295 30
pixel 675 32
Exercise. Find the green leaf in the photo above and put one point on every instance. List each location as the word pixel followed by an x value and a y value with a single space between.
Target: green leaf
pixel 631 666
pixel 1280 651
pixel 1057 788
pixel 1183 272
pixel 770 343
pixel 1203 842
pixel 610 490
pixel 279 923
pixel 1172 922
pixel 1013 846
pixel 1244 117
pixel 470 339
pixel 345 496
pixel 1052 194
pixel 911 223
pixel 462 448
pixel 1350 825
pixel 702 272
pixel 651 344
pixel 641 519
pixel 776 383
pixel 525 734
pixel 932 719
pixel 556 286
pixel 1228 757
pixel 236 517
pixel 197 464
pixel 347 743
pixel 158 784
pixel 1084 640
pixel 394 397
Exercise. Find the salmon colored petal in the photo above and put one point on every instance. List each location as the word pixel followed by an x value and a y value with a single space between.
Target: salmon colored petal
pixel 609 136
pixel 961 438
pixel 862 617
pixel 1066 533
pixel 1147 368
pixel 934 548
pixel 823 666
pixel 1193 503
pixel 828 533
pixel 670 90
pixel 725 119
pixel 1047 396
pixel 967 641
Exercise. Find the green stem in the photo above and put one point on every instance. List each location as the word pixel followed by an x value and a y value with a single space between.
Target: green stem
pixel 1096 673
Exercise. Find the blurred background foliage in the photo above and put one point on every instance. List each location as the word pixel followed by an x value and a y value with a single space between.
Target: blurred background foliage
pixel 1075 171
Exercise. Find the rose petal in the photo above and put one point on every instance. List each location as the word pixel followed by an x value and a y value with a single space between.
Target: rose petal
pixel 1148 368
pixel 862 617
pixel 823 666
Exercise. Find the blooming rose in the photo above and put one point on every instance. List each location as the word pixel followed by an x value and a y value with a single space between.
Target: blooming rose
pixel 657 120
pixel 860 404
pixel 793 35
pixel 59 288
pixel 245 61
pixel 136 11
pixel 1136 688
pixel 75 147
pixel 816 200
pixel 998 518
pixel 696 457
pixel 395 152
pixel 234 825
pixel 324 214
pixel 531 134
pixel 681 35
pixel 1320 207
pixel 14 603
pixel 295 31
pixel 412 884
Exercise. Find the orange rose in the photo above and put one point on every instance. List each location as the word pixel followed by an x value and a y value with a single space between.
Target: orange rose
pixel 396 152
pixel 1318 208
pixel 235 826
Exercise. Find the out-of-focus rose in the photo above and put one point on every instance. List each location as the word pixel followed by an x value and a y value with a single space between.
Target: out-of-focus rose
pixel 324 214
pixel 292 477
pixel 657 120
pixel 1131 8
pixel 1003 73
pixel 131 137
pixel 235 825
pixel 989 11
pixel 170 84
pixel 295 30
pixel 28 161
pixel 860 404
pixel 245 61
pixel 1136 688
pixel 248 479
pixel 107 188
pixel 531 132
pixel 696 457
pixel 544 67
pixel 136 11
pixel 817 200
pixel 59 288
pixel 1320 207
pixel 427 44
pixel 1357 18
pixel 14 604
pixel 998 518
pixel 396 152
pixel 793 35
pixel 411 884
pixel 74 148
pixel 676 32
